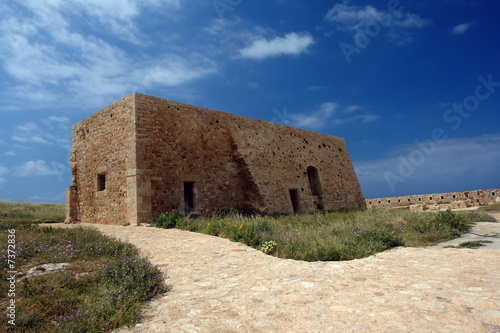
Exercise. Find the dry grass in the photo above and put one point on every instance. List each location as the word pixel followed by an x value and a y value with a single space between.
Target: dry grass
pixel 28 212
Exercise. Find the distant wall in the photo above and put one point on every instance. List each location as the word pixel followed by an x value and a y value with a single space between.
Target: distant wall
pixel 477 197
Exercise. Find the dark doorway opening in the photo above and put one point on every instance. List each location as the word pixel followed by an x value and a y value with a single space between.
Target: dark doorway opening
pixel 294 196
pixel 188 197
pixel 314 181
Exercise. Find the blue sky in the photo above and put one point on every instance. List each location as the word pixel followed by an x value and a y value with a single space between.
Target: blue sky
pixel 412 86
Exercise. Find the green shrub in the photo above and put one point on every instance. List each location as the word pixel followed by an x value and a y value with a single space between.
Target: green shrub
pixel 383 237
pixel 454 221
pixel 169 220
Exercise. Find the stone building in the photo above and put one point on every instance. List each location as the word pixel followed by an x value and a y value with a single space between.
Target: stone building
pixel 144 155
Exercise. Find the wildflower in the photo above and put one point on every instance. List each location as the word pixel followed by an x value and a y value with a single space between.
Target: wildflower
pixel 241 226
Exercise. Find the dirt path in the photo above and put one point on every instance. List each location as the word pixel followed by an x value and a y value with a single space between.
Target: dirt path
pixel 222 286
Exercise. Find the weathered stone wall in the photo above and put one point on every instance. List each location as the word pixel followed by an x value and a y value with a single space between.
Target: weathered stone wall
pixel 102 144
pixel 235 160
pixel 148 148
pixel 473 198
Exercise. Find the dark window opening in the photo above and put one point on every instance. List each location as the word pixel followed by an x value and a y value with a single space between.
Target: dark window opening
pixel 101 182
pixel 399 200
pixel 430 198
pixel 419 199
pixel 188 197
pixel 442 197
pixel 314 181
pixel 388 201
pixel 454 196
pixel 409 200
pixel 493 193
pixel 294 196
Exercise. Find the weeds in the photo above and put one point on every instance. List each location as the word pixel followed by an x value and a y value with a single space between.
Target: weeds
pixel 341 235
pixel 105 286
pixel 470 244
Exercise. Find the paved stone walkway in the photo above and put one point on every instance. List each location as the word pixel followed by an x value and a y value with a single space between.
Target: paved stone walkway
pixel 222 286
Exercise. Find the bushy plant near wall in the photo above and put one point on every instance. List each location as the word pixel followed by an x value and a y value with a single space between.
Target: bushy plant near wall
pixel 169 220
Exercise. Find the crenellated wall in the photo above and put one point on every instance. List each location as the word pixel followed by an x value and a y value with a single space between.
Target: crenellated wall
pixel 472 198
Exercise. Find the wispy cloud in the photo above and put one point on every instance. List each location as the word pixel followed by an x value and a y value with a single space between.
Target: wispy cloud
pixel 326 113
pixel 354 113
pixel 52 131
pixel 3 172
pixel 292 44
pixel 9 153
pixel 315 119
pixel 462 28
pixel 70 62
pixel 38 168
pixel 354 19
pixel 452 160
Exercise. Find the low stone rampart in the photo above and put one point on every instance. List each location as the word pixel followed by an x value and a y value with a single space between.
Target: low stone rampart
pixel 455 200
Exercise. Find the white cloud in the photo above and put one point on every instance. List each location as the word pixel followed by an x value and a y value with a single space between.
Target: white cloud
pixel 357 19
pixel 3 172
pixel 323 116
pixel 292 44
pixel 351 110
pixel 315 119
pixel 9 153
pixel 50 131
pixel 57 61
pixel 462 28
pixel 452 160
pixel 38 168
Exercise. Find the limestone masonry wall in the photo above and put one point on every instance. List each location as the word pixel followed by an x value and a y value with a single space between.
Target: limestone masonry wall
pixel 458 199
pixel 102 144
pixel 158 155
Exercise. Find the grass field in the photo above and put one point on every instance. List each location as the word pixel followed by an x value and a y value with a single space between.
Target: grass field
pixel 330 236
pixel 106 285
pixel 29 212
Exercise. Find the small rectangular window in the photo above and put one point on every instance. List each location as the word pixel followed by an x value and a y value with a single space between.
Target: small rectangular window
pixel 442 197
pixel 493 193
pixel 454 196
pixel 101 182
pixel 430 198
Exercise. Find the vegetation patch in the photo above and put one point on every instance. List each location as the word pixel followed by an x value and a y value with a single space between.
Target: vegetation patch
pixel 105 285
pixel 29 212
pixel 339 235
pixel 472 244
